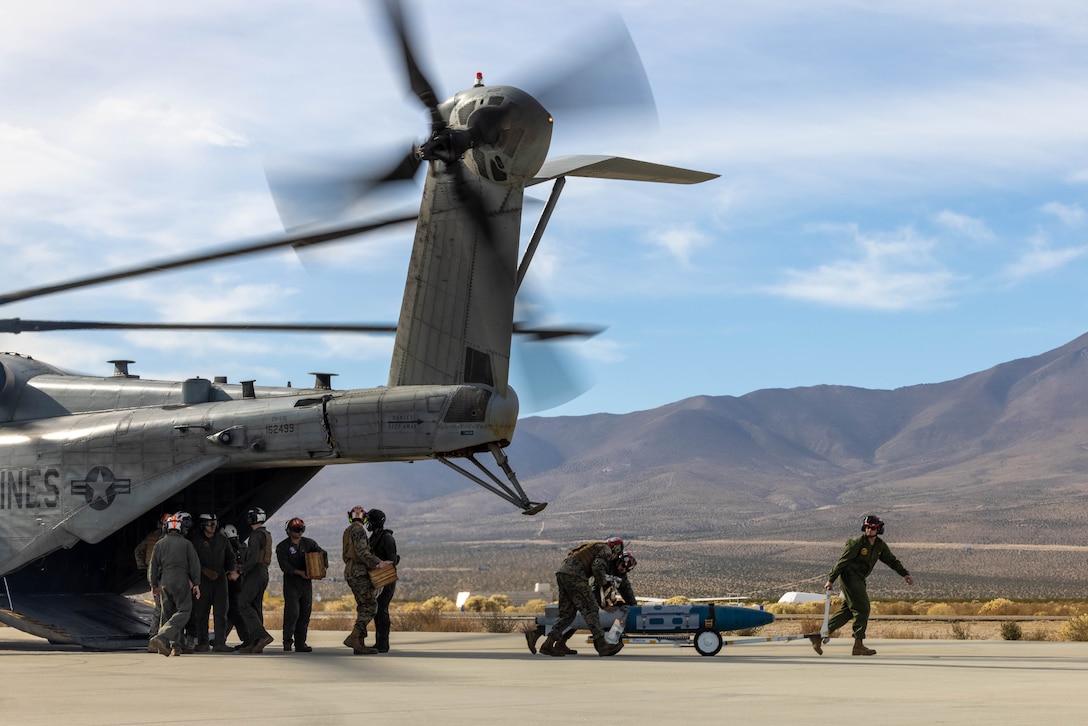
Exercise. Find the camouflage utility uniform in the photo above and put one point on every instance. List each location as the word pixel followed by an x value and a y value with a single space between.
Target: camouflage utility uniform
pixel 857 561
pixel 575 595
pixel 358 560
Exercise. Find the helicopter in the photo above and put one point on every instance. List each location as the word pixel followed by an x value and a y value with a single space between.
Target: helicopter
pixel 89 464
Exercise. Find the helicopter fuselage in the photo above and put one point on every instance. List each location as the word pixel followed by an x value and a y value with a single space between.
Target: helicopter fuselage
pixel 124 445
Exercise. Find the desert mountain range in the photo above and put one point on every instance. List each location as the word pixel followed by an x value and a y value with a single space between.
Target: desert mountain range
pixel 995 457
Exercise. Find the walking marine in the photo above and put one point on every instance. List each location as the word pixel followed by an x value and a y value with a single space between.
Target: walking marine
pixel 858 560
pixel 173 577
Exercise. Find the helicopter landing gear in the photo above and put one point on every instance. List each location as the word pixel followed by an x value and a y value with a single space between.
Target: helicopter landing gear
pixel 511 492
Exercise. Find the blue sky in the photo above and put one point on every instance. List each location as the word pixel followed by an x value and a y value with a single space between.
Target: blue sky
pixel 901 201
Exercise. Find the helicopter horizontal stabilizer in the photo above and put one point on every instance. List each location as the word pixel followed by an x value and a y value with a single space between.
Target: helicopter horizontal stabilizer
pixel 97 621
pixel 617 167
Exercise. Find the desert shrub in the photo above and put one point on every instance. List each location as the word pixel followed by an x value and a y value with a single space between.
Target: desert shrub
pixel 810 626
pixel 474 604
pixel 804 608
pixel 893 608
pixel 344 604
pixel 678 600
pixel 431 621
pixel 273 620
pixel 498 603
pixel 1038 634
pixel 901 634
pixel 783 608
pixel 1000 606
pixel 1011 630
pixel 941 608
pixel 534 607
pixel 493 622
pixel 961 631
pixel 439 605
pixel 338 621
pixel 1075 629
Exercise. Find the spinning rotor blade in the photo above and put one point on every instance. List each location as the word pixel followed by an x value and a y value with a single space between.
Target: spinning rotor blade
pixel 607 77
pixel 552 376
pixel 18 325
pixel 419 84
pixel 317 191
pixel 297 241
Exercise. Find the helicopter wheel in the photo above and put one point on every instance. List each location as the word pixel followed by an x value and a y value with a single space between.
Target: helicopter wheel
pixel 707 641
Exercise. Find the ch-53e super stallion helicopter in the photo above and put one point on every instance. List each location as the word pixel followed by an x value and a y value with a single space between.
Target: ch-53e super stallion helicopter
pixel 88 464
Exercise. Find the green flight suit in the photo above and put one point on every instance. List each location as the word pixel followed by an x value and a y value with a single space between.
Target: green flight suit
pixel 857 561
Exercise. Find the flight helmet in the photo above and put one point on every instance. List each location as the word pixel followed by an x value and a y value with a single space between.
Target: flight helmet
pixel 871 520
pixel 231 531
pixel 295 525
pixel 356 514
pixel 615 544
pixel 255 516
pixel 206 519
pixel 626 562
pixel 173 523
pixel 186 521
pixel 375 519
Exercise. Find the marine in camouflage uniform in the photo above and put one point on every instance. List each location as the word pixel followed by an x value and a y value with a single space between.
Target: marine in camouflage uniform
pixel 858 560
pixel 358 560
pixel 576 596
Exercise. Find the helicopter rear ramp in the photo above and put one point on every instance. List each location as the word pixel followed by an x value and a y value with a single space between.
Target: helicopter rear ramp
pixel 96 621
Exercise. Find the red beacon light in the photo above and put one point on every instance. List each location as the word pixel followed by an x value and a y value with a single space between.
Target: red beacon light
pixel 479 80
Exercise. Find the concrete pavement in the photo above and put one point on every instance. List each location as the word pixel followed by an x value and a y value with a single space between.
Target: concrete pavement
pixel 473 678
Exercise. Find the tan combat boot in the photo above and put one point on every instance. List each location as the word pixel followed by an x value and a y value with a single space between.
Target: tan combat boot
pixel 352 641
pixel 860 649
pixel 817 644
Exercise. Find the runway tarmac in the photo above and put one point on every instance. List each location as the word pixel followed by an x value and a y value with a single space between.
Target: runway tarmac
pixel 473 678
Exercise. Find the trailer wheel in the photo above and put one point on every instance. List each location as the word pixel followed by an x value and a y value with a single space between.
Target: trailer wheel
pixel 707 641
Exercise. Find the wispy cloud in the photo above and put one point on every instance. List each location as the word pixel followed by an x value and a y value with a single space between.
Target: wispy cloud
pixel 963 225
pixel 1070 214
pixel 893 271
pixel 680 242
pixel 1040 258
